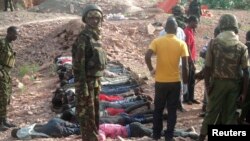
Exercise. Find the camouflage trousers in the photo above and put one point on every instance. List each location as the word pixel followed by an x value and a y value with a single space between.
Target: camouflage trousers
pixel 221 108
pixel 5 92
pixel 8 3
pixel 87 108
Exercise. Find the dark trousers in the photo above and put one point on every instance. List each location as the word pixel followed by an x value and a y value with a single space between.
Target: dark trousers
pixel 248 117
pixel 58 128
pixel 138 130
pixel 8 3
pixel 165 94
pixel 191 82
pixel 245 114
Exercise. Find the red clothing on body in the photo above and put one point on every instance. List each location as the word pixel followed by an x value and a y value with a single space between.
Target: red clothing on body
pixel 190 41
pixel 66 60
pixel 114 111
pixel 112 131
pixel 110 98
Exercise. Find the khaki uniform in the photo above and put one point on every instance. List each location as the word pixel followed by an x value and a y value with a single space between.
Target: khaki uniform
pixel 226 55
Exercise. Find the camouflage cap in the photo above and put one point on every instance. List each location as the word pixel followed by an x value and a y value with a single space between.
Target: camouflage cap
pixel 178 9
pixel 228 21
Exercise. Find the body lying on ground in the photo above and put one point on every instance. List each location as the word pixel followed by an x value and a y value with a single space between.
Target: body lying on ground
pixel 57 127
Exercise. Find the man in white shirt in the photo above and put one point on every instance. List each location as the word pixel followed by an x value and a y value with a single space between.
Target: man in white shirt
pixel 179 34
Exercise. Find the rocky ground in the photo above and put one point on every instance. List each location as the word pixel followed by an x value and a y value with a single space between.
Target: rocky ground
pixel 43 36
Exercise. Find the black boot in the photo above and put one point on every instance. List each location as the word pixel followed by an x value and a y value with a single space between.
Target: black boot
pixel 2 126
pixel 7 124
pixel 201 138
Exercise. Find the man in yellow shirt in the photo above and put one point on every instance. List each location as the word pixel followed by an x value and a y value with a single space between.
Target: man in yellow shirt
pixel 168 50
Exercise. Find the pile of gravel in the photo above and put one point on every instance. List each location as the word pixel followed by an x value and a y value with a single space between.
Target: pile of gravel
pixel 76 6
pixel 60 6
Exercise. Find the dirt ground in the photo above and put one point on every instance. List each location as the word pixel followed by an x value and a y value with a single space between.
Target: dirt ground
pixel 125 40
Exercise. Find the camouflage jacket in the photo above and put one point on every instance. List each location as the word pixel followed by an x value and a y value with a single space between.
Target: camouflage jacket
pixel 227 56
pixel 181 21
pixel 7 57
pixel 83 54
pixel 194 8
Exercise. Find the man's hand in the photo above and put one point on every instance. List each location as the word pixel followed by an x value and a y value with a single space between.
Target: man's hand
pixel 191 63
pixel 193 66
pixel 184 89
pixel 208 89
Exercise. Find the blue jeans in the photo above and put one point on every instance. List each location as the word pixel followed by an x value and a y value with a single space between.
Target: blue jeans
pixel 138 130
pixel 117 89
pixel 165 94
pixel 59 128
pixel 121 105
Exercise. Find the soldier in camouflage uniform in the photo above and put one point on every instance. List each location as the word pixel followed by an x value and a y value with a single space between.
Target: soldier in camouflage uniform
pixel 195 9
pixel 8 3
pixel 226 59
pixel 178 12
pixel 7 60
pixel 89 60
pixel 245 114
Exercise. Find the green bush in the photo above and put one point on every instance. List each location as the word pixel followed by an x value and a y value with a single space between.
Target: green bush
pixel 228 4
pixel 28 69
